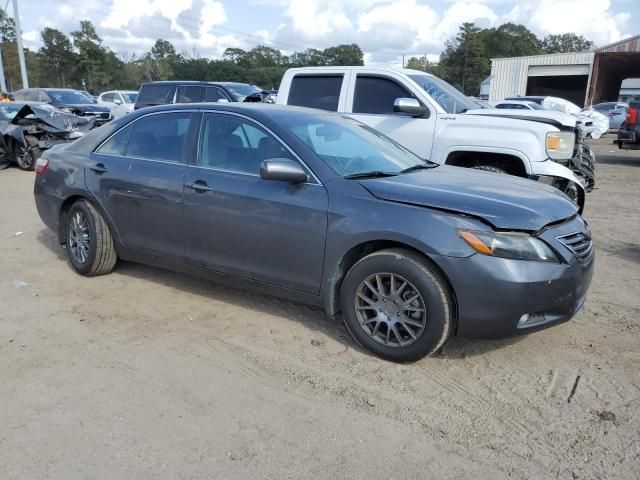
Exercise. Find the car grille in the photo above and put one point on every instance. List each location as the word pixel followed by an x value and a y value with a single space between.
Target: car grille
pixel 583 164
pixel 580 244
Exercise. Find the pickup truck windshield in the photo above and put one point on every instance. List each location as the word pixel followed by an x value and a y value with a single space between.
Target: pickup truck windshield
pixel 448 97
pixel 349 147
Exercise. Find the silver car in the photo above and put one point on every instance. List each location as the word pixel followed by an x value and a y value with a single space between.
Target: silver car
pixel 616 112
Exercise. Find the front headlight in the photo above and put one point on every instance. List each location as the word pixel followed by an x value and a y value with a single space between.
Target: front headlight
pixel 517 246
pixel 66 110
pixel 560 145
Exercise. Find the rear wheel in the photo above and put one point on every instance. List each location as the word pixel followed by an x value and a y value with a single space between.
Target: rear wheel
pixel 396 305
pixel 90 245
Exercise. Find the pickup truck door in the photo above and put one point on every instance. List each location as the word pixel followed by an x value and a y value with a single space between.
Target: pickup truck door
pixel 370 100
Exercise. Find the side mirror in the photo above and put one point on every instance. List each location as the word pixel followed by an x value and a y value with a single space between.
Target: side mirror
pixel 117 101
pixel 283 170
pixel 410 106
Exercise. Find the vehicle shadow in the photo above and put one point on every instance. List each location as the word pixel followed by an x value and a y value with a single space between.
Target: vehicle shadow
pixel 626 161
pixel 312 318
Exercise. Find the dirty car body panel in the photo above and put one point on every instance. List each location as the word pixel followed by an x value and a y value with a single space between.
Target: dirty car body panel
pixel 297 240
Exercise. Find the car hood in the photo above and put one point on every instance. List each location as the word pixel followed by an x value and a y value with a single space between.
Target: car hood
pixel 504 201
pixel 558 119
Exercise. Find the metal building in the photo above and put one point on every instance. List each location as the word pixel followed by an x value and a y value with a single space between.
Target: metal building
pixel 584 78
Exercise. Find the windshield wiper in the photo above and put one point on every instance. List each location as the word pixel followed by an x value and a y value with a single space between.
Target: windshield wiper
pixel 420 166
pixel 373 174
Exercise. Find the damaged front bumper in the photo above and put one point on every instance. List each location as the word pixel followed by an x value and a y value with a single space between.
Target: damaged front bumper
pixel 583 165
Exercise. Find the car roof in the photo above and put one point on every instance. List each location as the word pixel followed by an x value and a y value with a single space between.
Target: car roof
pixel 380 68
pixel 516 102
pixel 184 82
pixel 257 110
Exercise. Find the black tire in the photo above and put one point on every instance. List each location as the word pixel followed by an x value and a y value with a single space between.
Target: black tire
pixel 100 255
pixel 26 155
pixel 490 168
pixel 424 279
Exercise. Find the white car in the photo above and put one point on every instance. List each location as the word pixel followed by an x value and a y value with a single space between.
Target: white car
pixel 517 105
pixel 439 123
pixel 120 101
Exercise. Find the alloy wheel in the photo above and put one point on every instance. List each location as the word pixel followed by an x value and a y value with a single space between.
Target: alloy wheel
pixel 79 238
pixel 390 309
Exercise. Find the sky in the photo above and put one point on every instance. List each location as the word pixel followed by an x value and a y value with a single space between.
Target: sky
pixel 384 29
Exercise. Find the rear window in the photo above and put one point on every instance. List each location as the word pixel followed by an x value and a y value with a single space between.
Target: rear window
pixel 154 94
pixel 316 91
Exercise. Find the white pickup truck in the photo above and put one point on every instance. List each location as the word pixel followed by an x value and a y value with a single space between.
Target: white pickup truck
pixel 441 124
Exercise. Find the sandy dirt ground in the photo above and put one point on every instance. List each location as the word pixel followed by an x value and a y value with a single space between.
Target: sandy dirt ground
pixel 149 374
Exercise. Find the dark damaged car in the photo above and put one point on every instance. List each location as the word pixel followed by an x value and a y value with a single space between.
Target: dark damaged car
pixel 28 129
pixel 322 209
pixel 69 101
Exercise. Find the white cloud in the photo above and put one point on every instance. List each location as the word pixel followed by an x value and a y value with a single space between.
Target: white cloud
pixel 594 19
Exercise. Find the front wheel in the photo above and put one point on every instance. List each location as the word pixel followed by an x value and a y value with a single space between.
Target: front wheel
pixel 396 305
pixel 27 153
pixel 90 245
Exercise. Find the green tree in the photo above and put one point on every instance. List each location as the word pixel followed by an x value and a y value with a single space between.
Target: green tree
pixel 421 63
pixel 7 28
pixel 566 42
pixel 510 40
pixel 343 55
pixel 56 56
pixel 464 62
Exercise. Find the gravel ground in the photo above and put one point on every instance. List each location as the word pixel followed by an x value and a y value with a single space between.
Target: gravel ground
pixel 149 374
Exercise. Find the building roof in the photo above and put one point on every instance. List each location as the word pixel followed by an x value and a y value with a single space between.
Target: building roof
pixel 631 44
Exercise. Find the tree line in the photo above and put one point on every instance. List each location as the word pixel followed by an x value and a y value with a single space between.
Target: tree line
pixel 81 60
pixel 466 59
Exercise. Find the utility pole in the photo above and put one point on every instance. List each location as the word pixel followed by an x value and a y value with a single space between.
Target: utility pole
pixel 23 65
pixel 3 84
pixel 402 61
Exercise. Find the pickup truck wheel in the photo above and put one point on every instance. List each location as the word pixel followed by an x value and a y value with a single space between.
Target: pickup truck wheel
pixel 490 168
pixel 90 245
pixel 396 305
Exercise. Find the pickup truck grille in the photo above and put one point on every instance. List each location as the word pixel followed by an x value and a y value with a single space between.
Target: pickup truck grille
pixel 580 245
pixel 583 165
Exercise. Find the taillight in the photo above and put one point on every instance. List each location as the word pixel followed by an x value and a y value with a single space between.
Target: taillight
pixel 41 164
pixel 632 116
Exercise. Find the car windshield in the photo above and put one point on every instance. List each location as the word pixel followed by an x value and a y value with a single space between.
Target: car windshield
pixel 448 97
pixel 534 106
pixel 130 97
pixel 240 91
pixel 350 147
pixel 69 97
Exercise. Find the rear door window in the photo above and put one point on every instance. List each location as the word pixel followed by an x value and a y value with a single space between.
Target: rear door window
pixel 154 94
pixel 159 136
pixel 32 96
pixel 377 94
pixel 190 94
pixel 316 91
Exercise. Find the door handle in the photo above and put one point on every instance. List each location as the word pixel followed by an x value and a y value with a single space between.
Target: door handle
pixel 98 168
pixel 200 186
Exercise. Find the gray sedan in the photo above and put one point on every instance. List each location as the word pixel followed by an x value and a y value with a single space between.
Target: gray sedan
pixel 319 208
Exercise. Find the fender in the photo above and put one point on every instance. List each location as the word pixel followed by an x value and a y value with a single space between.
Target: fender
pixel 483 149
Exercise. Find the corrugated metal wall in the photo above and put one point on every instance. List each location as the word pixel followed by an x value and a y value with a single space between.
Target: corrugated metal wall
pixel 509 75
